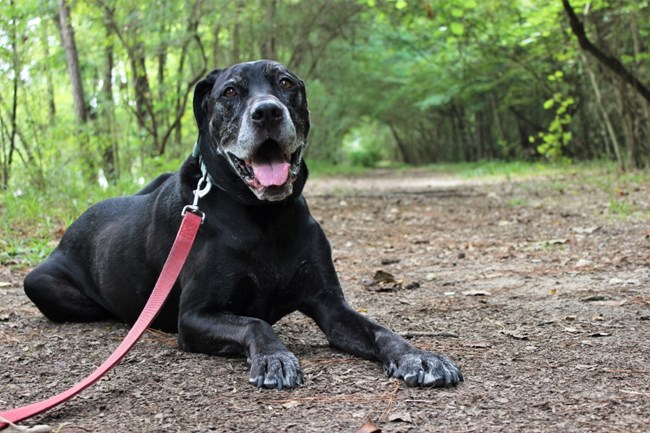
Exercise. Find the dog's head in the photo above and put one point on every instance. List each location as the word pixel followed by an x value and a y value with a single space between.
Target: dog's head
pixel 254 116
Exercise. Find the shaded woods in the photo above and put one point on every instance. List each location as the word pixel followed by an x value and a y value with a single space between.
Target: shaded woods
pixel 100 89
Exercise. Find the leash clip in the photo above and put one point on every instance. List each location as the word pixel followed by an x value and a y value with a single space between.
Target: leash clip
pixel 202 188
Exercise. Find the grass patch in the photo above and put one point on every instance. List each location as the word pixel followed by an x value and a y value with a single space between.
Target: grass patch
pixel 517 202
pixel 491 169
pixel 318 168
pixel 32 222
pixel 621 208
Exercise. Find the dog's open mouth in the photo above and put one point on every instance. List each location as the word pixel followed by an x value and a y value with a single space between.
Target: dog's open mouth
pixel 269 167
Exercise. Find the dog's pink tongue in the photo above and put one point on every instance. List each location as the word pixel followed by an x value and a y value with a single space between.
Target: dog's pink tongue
pixel 271 173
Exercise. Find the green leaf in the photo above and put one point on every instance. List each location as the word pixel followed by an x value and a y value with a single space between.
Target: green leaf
pixel 457 13
pixel 548 104
pixel 457 28
pixel 434 100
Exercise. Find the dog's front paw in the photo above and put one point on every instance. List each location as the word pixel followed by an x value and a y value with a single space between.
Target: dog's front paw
pixel 422 368
pixel 276 370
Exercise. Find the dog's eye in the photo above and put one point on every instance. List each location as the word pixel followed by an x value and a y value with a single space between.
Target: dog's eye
pixel 229 92
pixel 286 83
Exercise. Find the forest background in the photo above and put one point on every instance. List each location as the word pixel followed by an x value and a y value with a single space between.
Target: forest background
pixel 94 94
pixel 99 89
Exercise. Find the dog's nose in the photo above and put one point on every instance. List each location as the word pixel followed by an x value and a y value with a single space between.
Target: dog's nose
pixel 267 114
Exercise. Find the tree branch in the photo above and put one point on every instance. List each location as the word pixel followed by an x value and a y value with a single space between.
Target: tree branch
pixel 610 62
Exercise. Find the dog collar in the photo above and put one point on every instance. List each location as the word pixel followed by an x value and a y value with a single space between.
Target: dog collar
pixel 196 153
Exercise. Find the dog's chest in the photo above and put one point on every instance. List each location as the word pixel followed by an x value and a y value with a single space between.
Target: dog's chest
pixel 254 275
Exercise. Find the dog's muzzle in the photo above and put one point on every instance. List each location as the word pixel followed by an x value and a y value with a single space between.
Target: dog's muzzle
pixel 267 154
pixel 268 166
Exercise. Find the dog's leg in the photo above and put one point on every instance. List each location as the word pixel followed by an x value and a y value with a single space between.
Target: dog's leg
pixel 353 333
pixel 56 293
pixel 272 364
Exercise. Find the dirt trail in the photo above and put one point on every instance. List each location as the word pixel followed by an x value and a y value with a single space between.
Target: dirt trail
pixel 537 289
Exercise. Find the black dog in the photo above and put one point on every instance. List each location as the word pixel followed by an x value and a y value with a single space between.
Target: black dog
pixel 258 257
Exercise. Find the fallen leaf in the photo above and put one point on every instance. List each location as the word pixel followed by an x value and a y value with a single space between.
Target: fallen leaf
pixel 555 242
pixel 382 287
pixel 290 404
pixel 618 281
pixel 585 230
pixel 477 293
pixel 369 427
pixel 382 276
pixel 385 282
pixel 41 428
pixel 400 416
pixel 517 335
pixel 621 192
pixel 479 345
pixel 582 263
pixel 4 284
pixel 600 334
pixel 596 298
pixel 585 367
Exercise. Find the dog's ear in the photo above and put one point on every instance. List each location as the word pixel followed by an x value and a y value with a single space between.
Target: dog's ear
pixel 201 92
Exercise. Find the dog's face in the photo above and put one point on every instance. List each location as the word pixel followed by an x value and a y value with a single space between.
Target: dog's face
pixel 255 116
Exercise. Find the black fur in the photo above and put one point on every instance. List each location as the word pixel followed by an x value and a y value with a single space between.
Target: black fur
pixel 254 260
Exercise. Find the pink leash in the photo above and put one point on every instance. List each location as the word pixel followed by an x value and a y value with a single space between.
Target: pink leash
pixel 192 219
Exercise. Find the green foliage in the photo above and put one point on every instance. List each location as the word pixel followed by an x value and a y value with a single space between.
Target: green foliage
pixel 367 144
pixel 399 81
pixel 558 136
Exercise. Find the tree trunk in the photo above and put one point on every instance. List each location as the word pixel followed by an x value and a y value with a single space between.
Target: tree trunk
pixel 605 114
pixel 110 145
pixel 235 43
pixel 501 136
pixel 72 61
pixel 642 125
pixel 480 144
pixel 625 114
pixel 268 45
pixel 48 72
pixel 8 154
pixel 181 96
pixel 215 45
pixel 144 111
pixel 406 157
